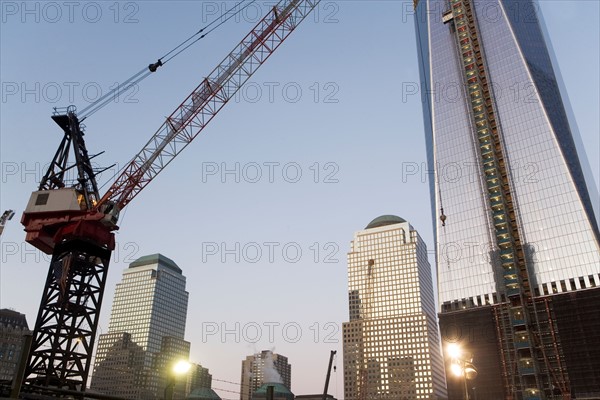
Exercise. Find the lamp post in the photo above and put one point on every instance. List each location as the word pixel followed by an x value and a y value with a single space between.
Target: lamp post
pixel 461 365
pixel 180 368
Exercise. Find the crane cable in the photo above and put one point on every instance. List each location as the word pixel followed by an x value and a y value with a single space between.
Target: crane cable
pixel 147 71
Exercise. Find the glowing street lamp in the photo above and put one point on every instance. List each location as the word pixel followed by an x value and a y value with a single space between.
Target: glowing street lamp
pixel 454 351
pixel 461 365
pixel 180 368
pixel 456 369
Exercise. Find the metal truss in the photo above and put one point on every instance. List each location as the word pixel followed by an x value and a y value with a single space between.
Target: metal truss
pixel 66 324
pixel 196 111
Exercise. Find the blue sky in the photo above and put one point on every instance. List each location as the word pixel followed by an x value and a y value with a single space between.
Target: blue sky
pixel 335 104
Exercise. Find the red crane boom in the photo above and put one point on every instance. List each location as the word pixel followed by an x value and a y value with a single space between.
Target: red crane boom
pixel 199 108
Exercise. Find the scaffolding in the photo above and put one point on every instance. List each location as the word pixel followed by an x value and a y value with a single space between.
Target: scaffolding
pixel 531 360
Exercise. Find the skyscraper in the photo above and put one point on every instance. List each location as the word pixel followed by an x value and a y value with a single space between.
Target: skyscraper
pixel 146 331
pixel 198 377
pixel 513 200
pixel 391 344
pixel 13 327
pixel 261 368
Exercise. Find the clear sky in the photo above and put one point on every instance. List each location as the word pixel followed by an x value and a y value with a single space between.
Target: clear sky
pixel 263 249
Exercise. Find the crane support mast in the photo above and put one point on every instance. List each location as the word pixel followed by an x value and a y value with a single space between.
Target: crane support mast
pixel 326 389
pixel 59 220
pixel 74 224
pixel 198 109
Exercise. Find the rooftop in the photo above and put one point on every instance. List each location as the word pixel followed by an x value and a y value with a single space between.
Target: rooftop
pixel 385 220
pixel 13 318
pixel 278 388
pixel 203 394
pixel 156 259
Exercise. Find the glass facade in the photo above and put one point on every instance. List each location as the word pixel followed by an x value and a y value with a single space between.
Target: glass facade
pixel 146 330
pixel 514 220
pixel 556 220
pixel 391 343
pixel 150 303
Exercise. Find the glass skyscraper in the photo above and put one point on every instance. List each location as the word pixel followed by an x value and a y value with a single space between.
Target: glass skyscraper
pixel 391 343
pixel 146 331
pixel 514 204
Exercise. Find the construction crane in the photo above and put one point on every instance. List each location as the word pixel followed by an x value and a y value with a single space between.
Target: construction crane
pixel 4 218
pixel 75 224
pixel 331 355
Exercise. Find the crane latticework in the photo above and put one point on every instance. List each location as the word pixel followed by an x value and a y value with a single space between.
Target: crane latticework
pixel 196 111
pixel 68 222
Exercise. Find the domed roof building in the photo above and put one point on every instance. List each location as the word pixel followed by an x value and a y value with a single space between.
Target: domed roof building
pixel 390 289
pixel 385 220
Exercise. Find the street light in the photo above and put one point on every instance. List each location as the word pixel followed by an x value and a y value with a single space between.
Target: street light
pixel 461 365
pixel 180 368
pixel 454 351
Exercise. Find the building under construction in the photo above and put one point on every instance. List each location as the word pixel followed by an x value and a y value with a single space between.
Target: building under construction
pixel 518 245
pixel 570 355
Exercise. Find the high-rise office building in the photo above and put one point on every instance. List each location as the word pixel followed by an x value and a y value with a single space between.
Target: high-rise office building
pixel 198 378
pixel 514 203
pixel 261 368
pixel 391 343
pixel 146 331
pixel 13 327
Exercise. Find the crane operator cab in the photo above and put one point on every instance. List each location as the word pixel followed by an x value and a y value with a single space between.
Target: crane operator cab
pixel 64 199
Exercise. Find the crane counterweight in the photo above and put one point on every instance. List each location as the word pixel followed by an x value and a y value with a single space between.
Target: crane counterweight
pixel 75 224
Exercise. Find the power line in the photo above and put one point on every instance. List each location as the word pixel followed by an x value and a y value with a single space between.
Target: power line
pixel 204 35
pixel 147 71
